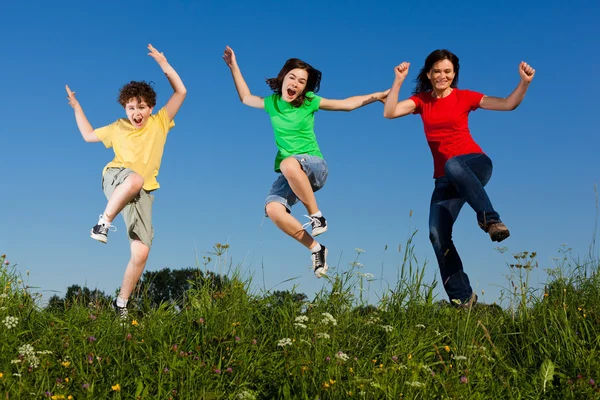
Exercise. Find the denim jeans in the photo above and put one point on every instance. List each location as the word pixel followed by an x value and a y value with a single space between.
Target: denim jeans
pixel 464 181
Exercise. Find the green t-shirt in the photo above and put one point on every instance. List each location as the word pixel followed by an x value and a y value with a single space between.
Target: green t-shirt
pixel 293 126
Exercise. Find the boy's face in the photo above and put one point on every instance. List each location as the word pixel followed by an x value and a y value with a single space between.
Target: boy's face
pixel 138 112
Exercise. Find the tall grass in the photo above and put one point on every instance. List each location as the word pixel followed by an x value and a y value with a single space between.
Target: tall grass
pixel 230 342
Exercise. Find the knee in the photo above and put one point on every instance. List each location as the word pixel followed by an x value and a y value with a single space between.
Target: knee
pixel 289 166
pixel 434 235
pixel 275 210
pixel 438 237
pixel 140 254
pixel 136 182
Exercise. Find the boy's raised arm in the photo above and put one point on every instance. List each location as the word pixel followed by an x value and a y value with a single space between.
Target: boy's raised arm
pixel 177 98
pixel 82 123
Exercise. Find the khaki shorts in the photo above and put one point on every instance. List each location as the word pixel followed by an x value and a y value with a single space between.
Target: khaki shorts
pixel 138 213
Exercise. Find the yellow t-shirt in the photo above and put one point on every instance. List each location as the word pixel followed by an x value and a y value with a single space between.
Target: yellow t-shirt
pixel 140 150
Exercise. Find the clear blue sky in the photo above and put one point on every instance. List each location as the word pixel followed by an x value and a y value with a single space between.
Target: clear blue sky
pixel 217 167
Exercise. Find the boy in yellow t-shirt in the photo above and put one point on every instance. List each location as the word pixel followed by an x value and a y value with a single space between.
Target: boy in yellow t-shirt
pixel 127 181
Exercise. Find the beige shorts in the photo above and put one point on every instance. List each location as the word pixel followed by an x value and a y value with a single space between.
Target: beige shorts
pixel 138 213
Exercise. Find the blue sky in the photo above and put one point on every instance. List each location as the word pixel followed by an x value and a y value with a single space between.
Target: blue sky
pixel 217 167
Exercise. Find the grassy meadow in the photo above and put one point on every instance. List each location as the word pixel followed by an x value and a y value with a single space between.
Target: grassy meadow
pixel 228 341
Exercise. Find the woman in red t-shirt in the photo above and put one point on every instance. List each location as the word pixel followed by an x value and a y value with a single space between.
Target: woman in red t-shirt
pixel 461 168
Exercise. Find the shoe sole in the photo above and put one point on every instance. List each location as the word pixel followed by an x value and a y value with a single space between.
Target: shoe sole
pixel 500 236
pixel 100 238
pixel 318 231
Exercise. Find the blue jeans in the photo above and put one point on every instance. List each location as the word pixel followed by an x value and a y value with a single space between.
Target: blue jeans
pixel 464 181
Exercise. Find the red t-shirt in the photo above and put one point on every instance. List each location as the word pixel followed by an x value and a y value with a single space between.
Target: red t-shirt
pixel 446 125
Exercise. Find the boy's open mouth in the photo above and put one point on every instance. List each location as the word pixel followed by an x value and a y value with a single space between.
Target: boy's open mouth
pixel 138 120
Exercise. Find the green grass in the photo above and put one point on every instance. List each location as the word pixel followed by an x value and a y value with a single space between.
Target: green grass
pixel 228 342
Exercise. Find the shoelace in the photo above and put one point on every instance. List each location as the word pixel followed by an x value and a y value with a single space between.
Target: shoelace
pixel 318 259
pixel 108 225
pixel 312 220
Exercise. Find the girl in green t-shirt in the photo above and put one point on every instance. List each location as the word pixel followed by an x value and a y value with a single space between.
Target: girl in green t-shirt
pixel 299 161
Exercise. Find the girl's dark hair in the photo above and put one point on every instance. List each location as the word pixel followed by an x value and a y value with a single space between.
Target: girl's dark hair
pixel 137 90
pixel 313 83
pixel 423 83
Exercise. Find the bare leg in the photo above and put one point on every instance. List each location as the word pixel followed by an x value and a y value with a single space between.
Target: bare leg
pixel 122 195
pixel 290 225
pixel 135 268
pixel 298 181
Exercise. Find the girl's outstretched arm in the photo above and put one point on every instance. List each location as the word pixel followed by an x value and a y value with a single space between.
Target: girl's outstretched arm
pixel 352 103
pixel 394 108
pixel 516 97
pixel 177 98
pixel 87 132
pixel 240 84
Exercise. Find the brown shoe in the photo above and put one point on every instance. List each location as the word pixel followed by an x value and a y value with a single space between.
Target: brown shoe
pixel 498 231
pixel 469 303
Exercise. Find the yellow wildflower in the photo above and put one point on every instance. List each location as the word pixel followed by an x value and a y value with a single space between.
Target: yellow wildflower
pixel 69 397
pixel 1 375
pixel 326 385
pixel 66 364
pixel 409 356
pixel 236 324
pixel 134 323
pixel 447 348
pixel 116 388
pixel 67 379
pixel 331 381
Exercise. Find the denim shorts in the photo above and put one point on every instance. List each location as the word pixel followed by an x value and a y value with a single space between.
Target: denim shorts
pixel 281 192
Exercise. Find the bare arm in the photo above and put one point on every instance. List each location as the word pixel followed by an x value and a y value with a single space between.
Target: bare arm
pixel 394 108
pixel 352 103
pixel 87 132
pixel 516 97
pixel 240 84
pixel 177 98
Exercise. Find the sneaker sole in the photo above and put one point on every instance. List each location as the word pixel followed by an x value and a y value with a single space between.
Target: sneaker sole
pixel 99 238
pixel 318 231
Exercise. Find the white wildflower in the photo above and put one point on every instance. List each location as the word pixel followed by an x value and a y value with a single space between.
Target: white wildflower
pixel 246 395
pixel 342 356
pixel 2 308
pixel 17 375
pixel 15 361
pixel 373 320
pixel 460 358
pixel 356 264
pixel 3 296
pixel 284 342
pixel 11 322
pixel 415 384
pixel 300 325
pixel 359 250
pixel 387 328
pixel 328 319
pixel 302 318
pixel 420 326
pixel 323 335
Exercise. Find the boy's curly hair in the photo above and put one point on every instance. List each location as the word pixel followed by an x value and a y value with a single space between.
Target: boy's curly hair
pixel 139 90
